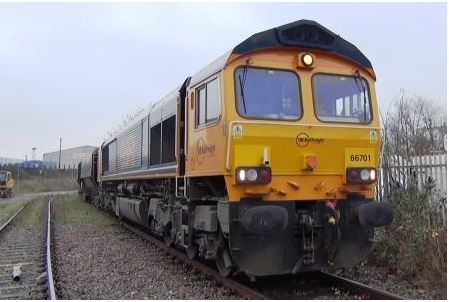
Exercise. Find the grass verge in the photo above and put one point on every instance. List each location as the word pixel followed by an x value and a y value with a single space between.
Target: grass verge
pixel 33 215
pixel 8 209
pixel 72 210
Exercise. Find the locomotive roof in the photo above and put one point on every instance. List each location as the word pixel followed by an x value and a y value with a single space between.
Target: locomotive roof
pixel 210 69
pixel 302 33
pixel 169 99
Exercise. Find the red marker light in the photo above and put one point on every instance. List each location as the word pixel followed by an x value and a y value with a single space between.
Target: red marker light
pixel 265 176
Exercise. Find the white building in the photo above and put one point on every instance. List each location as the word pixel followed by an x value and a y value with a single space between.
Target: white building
pixel 69 157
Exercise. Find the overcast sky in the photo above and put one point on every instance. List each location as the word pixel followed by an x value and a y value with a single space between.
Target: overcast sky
pixel 74 70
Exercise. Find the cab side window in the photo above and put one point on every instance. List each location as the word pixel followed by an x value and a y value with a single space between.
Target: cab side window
pixel 208 101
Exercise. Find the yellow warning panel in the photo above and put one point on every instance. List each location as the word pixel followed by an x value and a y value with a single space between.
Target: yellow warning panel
pixel 248 155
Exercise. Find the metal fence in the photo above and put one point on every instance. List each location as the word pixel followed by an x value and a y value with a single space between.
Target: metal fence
pixel 399 171
pixel 4 161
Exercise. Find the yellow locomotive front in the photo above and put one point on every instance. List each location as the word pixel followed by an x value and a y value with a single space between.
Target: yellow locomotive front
pixel 298 142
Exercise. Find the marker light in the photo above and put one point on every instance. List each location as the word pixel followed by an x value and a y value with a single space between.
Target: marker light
pixel 360 175
pixel 253 175
pixel 307 59
pixel 242 175
pixel 265 176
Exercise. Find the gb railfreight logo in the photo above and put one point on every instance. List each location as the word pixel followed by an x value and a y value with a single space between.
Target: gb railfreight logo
pixel 203 150
pixel 303 140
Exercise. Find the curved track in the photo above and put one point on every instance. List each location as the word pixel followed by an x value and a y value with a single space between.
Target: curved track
pixel 22 252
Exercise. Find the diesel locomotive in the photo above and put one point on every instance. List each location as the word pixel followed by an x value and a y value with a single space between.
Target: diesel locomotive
pixel 265 161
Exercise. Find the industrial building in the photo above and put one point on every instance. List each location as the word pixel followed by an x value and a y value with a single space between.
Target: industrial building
pixel 69 157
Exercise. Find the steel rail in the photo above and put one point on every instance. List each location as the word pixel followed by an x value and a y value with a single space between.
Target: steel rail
pixel 50 283
pixel 367 292
pixel 239 288
pixel 11 218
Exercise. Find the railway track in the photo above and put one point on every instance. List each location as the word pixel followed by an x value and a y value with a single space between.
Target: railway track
pixel 237 287
pixel 319 284
pixel 24 248
pixel 362 290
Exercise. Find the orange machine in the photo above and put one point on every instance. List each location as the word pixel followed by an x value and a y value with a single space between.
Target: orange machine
pixel 6 184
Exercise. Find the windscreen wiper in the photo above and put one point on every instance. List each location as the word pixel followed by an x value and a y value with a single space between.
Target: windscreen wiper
pixel 242 81
pixel 364 93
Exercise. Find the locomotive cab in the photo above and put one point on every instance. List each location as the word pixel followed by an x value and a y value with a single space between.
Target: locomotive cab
pixel 299 137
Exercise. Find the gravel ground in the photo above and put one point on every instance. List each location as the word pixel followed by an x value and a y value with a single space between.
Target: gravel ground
pixel 108 262
pixel 381 278
pixel 97 259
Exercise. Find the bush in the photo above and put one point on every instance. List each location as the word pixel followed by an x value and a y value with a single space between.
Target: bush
pixel 414 245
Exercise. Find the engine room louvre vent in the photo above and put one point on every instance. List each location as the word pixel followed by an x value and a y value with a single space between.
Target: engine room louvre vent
pixel 305 35
pixel 129 147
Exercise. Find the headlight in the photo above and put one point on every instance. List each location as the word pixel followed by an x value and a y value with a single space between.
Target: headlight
pixel 307 59
pixel 365 175
pixel 360 175
pixel 253 175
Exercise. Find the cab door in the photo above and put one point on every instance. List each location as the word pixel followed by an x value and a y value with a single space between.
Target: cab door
pixel 206 133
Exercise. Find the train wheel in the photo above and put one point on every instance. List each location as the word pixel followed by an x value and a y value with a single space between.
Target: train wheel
pixel 167 236
pixel 223 261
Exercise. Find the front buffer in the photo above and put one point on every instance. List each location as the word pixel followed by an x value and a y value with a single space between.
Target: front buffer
pixel 274 238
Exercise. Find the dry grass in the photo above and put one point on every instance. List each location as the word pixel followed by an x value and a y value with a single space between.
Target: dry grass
pixel 37 181
pixel 48 185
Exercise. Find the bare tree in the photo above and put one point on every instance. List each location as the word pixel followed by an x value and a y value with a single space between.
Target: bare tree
pixel 415 126
pixel 414 130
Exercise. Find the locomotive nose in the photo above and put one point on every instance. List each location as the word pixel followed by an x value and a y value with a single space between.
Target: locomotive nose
pixel 375 214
